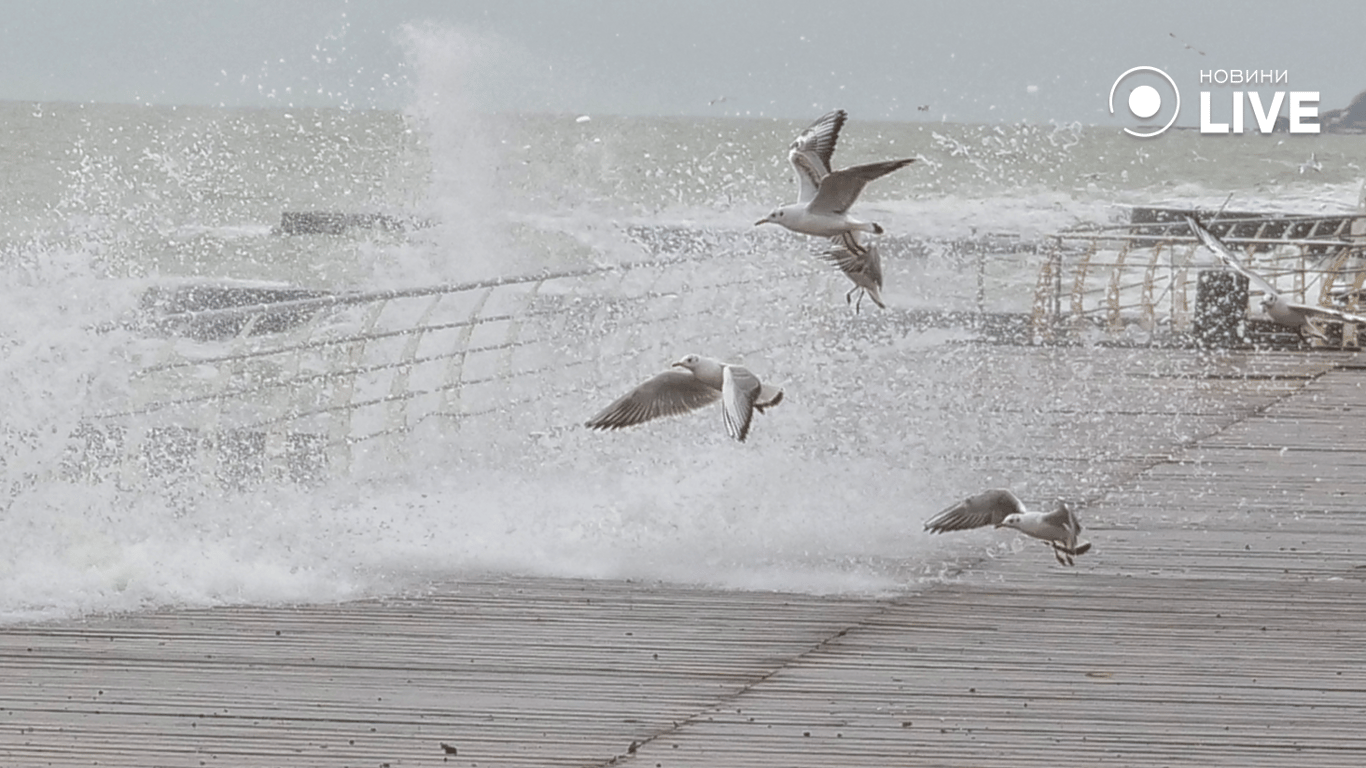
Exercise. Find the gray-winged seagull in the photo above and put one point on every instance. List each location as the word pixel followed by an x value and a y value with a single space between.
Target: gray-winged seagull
pixel 1281 310
pixel 824 196
pixel 1000 508
pixel 862 265
pixel 701 382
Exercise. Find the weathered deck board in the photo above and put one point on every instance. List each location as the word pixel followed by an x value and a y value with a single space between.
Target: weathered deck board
pixel 1220 620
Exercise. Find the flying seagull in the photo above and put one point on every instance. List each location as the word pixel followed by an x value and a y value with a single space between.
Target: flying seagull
pixel 862 265
pixel 701 382
pixel 1000 508
pixel 1281 310
pixel 1189 47
pixel 825 196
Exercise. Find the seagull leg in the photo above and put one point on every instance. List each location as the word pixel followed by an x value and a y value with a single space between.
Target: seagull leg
pixel 1060 552
pixel 849 299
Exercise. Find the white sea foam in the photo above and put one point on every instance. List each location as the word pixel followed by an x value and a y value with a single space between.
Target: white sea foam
pixel 529 490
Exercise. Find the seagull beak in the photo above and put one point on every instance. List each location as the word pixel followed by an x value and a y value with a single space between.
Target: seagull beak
pixel 1000 525
pixel 761 221
pixel 678 364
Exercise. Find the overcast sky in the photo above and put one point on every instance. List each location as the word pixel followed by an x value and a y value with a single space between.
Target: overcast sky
pixel 968 61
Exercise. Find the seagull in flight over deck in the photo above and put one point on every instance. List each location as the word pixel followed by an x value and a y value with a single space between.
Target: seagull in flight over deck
pixel 861 264
pixel 702 382
pixel 1281 310
pixel 825 196
pixel 1000 508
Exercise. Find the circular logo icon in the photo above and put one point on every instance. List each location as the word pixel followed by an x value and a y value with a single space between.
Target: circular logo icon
pixel 1145 101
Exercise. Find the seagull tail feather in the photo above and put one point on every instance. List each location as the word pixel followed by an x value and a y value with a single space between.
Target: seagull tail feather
pixel 772 401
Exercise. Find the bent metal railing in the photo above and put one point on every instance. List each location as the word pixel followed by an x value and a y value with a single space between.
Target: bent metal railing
pixel 1139 275
pixel 355 375
pixel 367 366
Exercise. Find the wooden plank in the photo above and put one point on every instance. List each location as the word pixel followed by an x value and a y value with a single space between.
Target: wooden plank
pixel 1220 620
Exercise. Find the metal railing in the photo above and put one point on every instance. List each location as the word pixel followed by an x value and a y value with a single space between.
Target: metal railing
pixel 376 366
pixel 1140 274
pixel 355 375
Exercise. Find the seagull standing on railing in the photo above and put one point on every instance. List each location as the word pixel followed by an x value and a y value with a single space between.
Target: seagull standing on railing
pixel 1281 310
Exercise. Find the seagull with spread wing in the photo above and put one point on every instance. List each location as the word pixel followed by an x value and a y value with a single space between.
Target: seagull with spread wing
pixel 1281 310
pixel 825 196
pixel 862 265
pixel 701 382
pixel 1000 508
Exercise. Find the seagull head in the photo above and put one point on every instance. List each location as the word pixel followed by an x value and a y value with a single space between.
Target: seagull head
pixel 773 217
pixel 1270 300
pixel 688 361
pixel 1011 521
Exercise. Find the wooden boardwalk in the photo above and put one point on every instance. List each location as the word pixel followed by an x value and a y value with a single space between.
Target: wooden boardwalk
pixel 1220 620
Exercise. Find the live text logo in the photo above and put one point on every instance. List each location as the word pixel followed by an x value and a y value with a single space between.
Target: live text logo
pixel 1154 100
pixel 1303 104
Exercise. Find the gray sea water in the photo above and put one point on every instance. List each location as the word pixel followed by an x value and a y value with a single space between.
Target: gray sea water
pixel 429 481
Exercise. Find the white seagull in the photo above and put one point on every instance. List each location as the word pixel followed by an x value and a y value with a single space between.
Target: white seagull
pixel 701 382
pixel 1281 310
pixel 824 196
pixel 1000 508
pixel 862 265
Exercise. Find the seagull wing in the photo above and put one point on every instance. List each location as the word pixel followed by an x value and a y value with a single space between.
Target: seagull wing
pixel 1329 312
pixel 739 391
pixel 1064 519
pixel 862 266
pixel 811 151
pixel 668 394
pixel 809 175
pixel 1064 530
pixel 841 188
pixel 855 258
pixel 850 263
pixel 848 241
pixel 1226 255
pixel 986 508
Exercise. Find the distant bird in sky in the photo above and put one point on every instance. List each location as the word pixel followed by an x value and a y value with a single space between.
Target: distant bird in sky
pixel 1189 47
pixel 1000 508
pixel 702 381
pixel 825 196
pixel 717 100
pixel 923 108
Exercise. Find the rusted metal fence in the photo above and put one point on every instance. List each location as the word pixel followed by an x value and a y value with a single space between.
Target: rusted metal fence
pixel 1142 274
